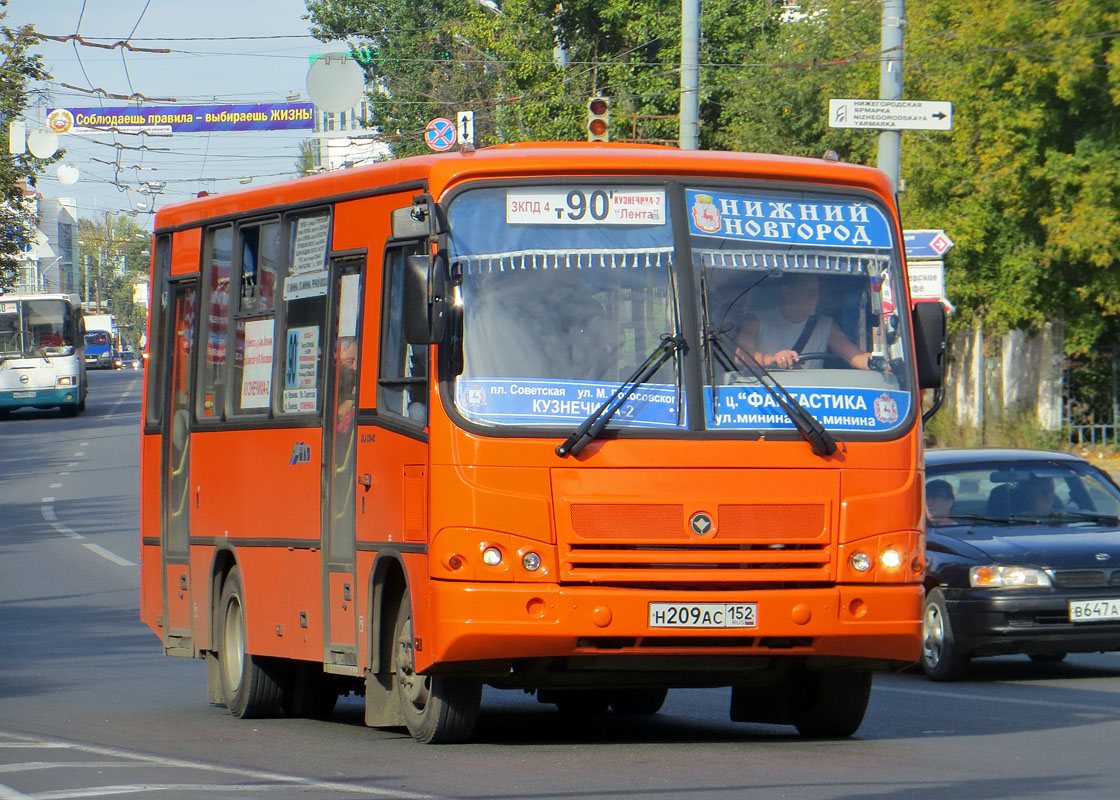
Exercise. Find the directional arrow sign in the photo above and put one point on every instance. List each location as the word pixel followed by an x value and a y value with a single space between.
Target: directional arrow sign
pixel 926 243
pixel 924 115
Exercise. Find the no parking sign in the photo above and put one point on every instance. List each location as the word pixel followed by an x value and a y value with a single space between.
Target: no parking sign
pixel 440 134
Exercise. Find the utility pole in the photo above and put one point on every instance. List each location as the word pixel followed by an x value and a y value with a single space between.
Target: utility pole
pixel 890 84
pixel 690 74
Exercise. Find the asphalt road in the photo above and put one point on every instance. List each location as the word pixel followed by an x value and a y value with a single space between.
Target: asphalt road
pixel 90 707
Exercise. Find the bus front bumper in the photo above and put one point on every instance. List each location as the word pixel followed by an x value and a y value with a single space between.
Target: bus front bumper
pixel 39 398
pixel 487 621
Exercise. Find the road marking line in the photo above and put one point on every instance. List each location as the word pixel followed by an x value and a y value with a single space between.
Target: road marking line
pixel 52 519
pixel 278 779
pixel 108 555
pixel 1001 699
pixel 8 793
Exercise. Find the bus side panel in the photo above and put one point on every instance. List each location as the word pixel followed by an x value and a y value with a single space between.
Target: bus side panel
pixel 303 628
pixel 186 247
pixel 150 596
pixel 263 571
pixel 239 479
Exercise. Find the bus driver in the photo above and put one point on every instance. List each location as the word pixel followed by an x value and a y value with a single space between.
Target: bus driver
pixel 776 337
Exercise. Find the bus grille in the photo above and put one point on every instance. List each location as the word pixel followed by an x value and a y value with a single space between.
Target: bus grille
pixel 651 544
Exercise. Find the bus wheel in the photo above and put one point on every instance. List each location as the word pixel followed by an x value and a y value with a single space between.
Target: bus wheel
pixel 437 709
pixel 835 703
pixel 250 684
pixel 637 701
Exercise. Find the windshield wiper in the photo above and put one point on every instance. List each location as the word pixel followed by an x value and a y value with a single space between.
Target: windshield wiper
pixel 811 430
pixel 981 518
pixel 591 427
pixel 1065 516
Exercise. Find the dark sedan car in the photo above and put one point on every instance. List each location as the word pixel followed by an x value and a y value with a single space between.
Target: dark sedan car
pixel 1023 552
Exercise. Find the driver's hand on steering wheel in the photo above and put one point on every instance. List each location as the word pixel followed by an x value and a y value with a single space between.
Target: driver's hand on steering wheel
pixel 785 359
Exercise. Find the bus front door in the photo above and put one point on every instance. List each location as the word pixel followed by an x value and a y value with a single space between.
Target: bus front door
pixel 339 453
pixel 175 481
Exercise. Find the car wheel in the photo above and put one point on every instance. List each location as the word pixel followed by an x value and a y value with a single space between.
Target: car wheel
pixel 941 659
pixel 1048 658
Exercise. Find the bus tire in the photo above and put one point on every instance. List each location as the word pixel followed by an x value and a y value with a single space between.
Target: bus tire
pixel 251 686
pixel 638 701
pixel 437 709
pixel 834 703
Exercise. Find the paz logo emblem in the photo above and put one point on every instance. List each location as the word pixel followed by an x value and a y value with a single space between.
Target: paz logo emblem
pixel 1102 556
pixel 700 523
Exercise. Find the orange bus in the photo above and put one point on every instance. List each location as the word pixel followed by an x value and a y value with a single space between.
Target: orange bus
pixel 507 417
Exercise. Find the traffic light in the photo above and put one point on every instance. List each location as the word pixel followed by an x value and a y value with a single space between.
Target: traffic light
pixel 598 115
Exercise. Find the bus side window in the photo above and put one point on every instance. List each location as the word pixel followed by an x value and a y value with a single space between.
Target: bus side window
pixel 217 266
pixel 402 386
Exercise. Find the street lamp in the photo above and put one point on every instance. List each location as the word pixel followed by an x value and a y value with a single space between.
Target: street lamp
pixel 41 283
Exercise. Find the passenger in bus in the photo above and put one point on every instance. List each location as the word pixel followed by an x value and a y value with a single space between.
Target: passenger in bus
pixel 939 502
pixel 346 394
pixel 777 337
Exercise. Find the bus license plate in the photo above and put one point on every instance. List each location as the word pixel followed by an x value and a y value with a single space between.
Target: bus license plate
pixel 702 615
pixel 22 395
pixel 1094 610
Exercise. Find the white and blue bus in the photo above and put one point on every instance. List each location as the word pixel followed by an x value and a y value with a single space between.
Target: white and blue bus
pixel 42 353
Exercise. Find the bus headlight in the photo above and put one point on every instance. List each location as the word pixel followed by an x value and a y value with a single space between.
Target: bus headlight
pixel 66 380
pixel 491 556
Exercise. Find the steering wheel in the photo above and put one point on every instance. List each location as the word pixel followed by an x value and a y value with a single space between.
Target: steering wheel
pixel 825 356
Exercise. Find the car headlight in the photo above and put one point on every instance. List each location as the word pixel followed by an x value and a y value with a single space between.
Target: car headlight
pixel 996 576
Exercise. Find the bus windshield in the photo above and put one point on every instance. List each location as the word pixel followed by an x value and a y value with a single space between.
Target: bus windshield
pixel 563 291
pixel 35 328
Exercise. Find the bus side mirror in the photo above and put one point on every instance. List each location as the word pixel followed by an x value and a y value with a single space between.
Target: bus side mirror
pixel 425 298
pixel 929 343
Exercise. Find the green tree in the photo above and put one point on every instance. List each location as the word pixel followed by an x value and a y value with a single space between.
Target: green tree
pixel 117 252
pixel 308 160
pixel 528 68
pixel 1026 183
pixel 18 69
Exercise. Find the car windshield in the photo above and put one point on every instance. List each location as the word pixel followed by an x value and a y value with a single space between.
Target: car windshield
pixel 1017 492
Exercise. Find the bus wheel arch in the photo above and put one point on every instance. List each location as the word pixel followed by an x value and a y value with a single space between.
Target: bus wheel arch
pixel 437 709
pixel 388 584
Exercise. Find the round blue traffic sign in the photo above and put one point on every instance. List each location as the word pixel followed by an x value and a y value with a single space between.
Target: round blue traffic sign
pixel 440 134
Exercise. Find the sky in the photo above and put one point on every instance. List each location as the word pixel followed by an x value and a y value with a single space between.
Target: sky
pixel 213 61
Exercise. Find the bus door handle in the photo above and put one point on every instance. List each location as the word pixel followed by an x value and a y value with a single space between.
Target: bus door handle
pixel 366 480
